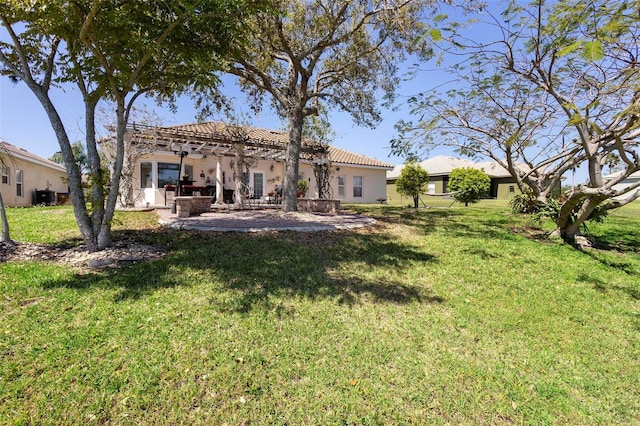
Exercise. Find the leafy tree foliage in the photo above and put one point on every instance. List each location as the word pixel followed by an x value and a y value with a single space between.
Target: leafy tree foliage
pixel 79 154
pixel 413 181
pixel 468 184
pixel 334 53
pixel 556 89
pixel 118 51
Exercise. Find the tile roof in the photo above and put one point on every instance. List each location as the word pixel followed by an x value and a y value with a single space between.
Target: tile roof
pixel 443 165
pixel 336 155
pixel 435 166
pixel 342 156
pixel 614 175
pixel 23 154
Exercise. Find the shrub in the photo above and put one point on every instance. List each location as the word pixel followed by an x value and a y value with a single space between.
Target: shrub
pixel 303 187
pixel 526 203
pixel 469 184
pixel 413 181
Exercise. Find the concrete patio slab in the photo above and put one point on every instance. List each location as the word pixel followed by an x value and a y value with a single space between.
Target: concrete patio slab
pixel 263 220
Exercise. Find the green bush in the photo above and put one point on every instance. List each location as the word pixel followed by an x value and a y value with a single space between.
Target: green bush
pixel 413 181
pixel 551 210
pixel 303 187
pixel 526 203
pixel 469 184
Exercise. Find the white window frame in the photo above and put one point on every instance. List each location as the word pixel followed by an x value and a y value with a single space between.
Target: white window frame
pixel 341 186
pixel 361 186
pixel 252 184
pixel 144 178
pixel 4 171
pixel 19 183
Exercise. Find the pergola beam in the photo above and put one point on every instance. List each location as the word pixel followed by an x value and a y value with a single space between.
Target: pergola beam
pixel 219 142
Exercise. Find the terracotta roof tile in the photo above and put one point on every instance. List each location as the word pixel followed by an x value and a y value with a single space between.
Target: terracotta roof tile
pixel 12 150
pixel 336 155
pixel 339 155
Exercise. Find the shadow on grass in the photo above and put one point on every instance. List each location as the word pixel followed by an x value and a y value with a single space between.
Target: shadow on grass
pixel 604 287
pixel 253 269
pixel 455 222
pixel 611 260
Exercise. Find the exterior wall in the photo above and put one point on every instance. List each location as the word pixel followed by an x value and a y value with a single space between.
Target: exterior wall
pixel 373 183
pixel 393 197
pixel 503 188
pixel 34 177
pixel 373 178
pixel 272 175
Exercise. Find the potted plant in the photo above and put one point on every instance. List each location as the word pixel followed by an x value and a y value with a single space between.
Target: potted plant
pixel 303 187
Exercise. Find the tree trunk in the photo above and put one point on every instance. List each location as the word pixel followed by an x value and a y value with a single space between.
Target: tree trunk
pixel 96 178
pixel 238 170
pixel 73 170
pixel 415 201
pixel 127 198
pixel 570 221
pixel 104 235
pixel 4 235
pixel 290 197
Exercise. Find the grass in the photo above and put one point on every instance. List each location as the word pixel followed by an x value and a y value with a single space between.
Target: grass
pixel 435 316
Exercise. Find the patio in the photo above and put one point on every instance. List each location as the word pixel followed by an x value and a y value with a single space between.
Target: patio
pixel 263 220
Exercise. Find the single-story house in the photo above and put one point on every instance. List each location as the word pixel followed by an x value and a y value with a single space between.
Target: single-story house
pixel 503 185
pixel 202 156
pixel 27 179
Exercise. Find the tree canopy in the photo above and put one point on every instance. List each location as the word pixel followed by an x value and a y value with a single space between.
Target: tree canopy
pixel 550 87
pixel 413 181
pixel 332 53
pixel 118 51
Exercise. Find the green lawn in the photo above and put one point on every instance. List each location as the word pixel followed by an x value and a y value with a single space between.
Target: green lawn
pixel 435 316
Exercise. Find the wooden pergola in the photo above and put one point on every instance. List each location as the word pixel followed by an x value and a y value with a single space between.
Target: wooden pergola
pixel 244 143
pixel 215 138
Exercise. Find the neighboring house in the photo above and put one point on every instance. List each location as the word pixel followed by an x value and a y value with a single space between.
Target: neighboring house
pixel 354 178
pixel 503 185
pixel 632 179
pixel 27 179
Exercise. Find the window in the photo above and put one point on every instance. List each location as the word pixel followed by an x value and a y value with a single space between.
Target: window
pixel 188 170
pixel 258 185
pixel 4 171
pixel 168 174
pixel 145 175
pixel 357 186
pixel 340 186
pixel 19 190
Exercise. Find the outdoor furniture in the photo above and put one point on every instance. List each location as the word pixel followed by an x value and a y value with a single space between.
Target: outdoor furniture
pixel 186 189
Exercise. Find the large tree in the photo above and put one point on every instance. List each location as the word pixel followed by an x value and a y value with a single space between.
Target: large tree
pixel 119 51
pixel 334 53
pixel 549 86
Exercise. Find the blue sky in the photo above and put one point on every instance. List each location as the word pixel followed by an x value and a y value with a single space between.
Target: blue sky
pixel 24 123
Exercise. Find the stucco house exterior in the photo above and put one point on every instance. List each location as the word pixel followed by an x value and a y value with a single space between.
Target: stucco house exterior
pixel 27 179
pixel 208 155
pixel 503 185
